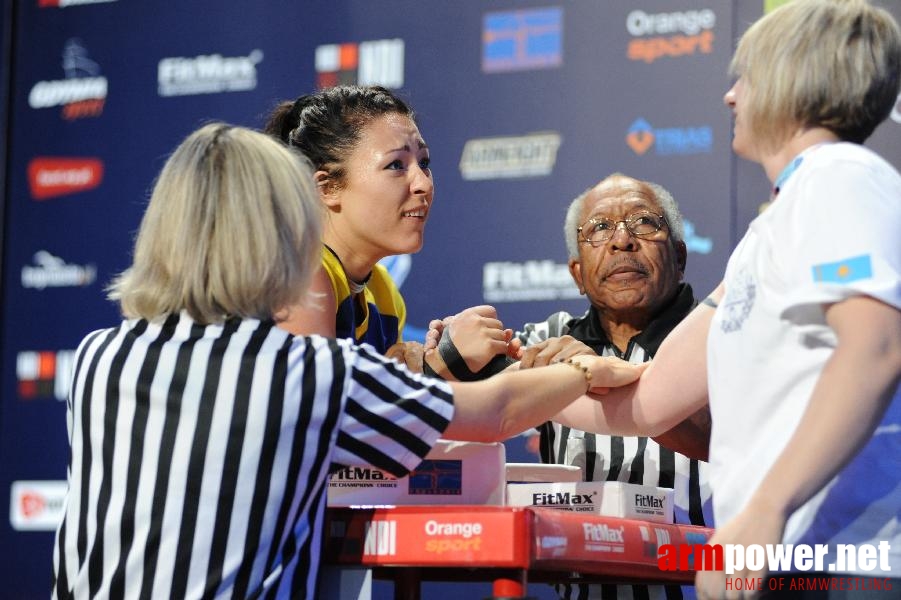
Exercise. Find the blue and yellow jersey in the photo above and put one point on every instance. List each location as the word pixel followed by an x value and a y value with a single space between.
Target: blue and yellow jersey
pixel 380 320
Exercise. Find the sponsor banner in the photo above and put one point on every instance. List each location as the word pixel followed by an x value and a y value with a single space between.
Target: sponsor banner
pixel 531 155
pixel 657 35
pixel 668 141
pixel 36 505
pixel 487 536
pixel 529 281
pixel 627 547
pixel 520 40
pixel 83 91
pixel 44 374
pixel 376 62
pixel 52 271
pixel 207 74
pixel 49 177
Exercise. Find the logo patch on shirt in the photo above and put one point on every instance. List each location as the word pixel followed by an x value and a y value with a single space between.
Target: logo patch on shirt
pixel 738 302
pixel 846 270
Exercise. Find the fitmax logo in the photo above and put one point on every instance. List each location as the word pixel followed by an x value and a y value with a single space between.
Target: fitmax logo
pixel 642 137
pixel 561 498
pixel 363 474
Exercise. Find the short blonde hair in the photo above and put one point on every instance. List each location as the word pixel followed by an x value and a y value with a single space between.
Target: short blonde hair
pixel 233 228
pixel 819 63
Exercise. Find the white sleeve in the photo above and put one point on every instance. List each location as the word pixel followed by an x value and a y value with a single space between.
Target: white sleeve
pixel 844 235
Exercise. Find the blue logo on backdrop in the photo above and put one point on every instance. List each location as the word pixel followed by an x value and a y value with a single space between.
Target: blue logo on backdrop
pixel 437 477
pixel 641 137
pixel 695 242
pixel 519 40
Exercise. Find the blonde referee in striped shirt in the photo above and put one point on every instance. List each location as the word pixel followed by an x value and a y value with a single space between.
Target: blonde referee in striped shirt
pixel 202 434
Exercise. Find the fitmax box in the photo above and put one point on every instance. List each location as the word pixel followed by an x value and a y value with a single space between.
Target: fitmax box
pixel 607 498
pixel 452 473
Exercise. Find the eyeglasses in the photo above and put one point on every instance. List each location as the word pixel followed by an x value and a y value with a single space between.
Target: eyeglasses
pixel 597 230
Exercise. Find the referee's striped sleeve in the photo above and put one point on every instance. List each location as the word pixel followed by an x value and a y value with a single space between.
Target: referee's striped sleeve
pixel 393 417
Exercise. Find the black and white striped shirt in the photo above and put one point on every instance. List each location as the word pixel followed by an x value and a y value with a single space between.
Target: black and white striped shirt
pixel 200 454
pixel 631 459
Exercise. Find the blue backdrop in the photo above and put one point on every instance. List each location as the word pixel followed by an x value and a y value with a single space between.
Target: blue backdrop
pixel 523 103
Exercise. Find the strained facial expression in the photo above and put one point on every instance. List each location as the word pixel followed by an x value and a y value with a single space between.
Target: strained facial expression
pixel 387 190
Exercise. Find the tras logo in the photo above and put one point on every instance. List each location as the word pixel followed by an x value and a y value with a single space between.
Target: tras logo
pixel 83 91
pixel 377 62
pixel 49 177
pixel 641 137
pixel 44 374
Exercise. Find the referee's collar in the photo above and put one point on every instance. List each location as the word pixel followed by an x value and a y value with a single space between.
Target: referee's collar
pixel 587 328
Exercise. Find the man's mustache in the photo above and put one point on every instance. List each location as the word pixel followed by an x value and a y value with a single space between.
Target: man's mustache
pixel 624 264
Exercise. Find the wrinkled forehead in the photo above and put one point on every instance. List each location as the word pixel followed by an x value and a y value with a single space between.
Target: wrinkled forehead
pixel 619 197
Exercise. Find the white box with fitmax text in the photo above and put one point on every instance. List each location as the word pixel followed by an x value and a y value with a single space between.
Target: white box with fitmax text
pixel 452 473
pixel 606 498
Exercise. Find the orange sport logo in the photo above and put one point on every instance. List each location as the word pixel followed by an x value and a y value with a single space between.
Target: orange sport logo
pixel 669 34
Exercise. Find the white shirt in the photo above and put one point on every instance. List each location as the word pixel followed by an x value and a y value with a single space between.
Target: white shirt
pixel 833 232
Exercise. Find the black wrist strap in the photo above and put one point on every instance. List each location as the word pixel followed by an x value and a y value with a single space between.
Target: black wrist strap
pixel 428 370
pixel 457 366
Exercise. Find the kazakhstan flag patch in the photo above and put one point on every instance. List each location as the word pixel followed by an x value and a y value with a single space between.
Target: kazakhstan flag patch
pixel 845 270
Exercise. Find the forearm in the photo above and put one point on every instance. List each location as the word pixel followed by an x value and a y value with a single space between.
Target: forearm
pixel 691 437
pixel 511 402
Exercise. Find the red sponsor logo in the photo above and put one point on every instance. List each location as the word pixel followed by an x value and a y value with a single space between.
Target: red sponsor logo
pixel 32 504
pixel 47 3
pixel 51 177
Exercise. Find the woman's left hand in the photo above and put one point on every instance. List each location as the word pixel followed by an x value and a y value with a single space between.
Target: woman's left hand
pixel 408 354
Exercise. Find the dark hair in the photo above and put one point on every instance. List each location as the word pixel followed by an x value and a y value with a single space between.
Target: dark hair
pixel 325 126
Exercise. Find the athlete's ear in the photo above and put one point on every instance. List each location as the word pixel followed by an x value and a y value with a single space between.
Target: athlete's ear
pixel 326 188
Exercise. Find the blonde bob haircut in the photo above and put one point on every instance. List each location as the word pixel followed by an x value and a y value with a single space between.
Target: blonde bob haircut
pixel 233 229
pixel 819 63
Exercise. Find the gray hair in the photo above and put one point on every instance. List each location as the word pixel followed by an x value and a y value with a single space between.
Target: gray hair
pixel 664 199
